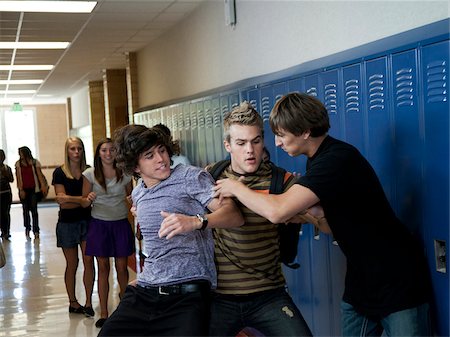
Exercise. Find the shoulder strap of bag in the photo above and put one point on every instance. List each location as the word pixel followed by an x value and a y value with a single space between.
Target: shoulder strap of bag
pixel 218 168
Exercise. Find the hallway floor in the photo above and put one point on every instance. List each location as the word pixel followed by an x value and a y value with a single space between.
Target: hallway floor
pixel 33 298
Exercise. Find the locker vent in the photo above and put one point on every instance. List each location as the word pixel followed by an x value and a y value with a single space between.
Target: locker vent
pixel 208 118
pixel 312 91
pixel 331 98
pixel 225 110
pixel 352 96
pixel 404 87
pixel 254 103
pixel 376 92
pixel 216 118
pixel 265 106
pixel 180 120
pixel 436 82
pixel 194 119
pixel 187 122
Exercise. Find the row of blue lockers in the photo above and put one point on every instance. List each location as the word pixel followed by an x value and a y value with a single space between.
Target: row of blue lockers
pixel 394 108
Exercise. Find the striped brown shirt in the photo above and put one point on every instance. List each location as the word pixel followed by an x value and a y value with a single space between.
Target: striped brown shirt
pixel 247 257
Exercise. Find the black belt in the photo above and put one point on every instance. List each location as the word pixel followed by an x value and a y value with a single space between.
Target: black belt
pixel 178 289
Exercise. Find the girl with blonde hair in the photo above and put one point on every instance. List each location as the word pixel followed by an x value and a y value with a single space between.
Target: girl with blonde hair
pixel 72 226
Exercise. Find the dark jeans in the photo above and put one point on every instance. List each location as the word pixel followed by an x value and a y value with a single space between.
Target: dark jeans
pixel 145 313
pixel 5 216
pixel 29 205
pixel 273 313
pixel 409 322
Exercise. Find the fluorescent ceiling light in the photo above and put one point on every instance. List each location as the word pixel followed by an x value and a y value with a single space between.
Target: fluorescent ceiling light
pixel 33 45
pixel 27 67
pixel 15 82
pixel 17 92
pixel 48 6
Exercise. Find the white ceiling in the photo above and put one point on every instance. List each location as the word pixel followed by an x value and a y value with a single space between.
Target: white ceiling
pixel 99 40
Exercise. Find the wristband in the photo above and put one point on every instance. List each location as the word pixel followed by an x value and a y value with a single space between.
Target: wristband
pixel 204 220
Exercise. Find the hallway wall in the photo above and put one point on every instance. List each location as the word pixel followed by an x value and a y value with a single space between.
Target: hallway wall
pixel 202 53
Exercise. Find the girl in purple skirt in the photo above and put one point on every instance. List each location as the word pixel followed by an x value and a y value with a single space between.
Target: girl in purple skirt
pixel 110 233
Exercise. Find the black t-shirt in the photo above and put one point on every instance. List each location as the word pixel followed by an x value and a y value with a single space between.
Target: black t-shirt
pixel 386 269
pixel 73 187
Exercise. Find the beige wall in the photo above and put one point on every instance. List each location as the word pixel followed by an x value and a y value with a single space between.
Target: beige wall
pixel 202 53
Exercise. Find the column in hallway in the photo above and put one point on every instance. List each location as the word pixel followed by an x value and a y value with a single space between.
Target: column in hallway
pixel 115 91
pixel 97 110
pixel 132 85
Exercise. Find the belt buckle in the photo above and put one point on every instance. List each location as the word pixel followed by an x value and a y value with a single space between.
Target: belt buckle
pixel 161 291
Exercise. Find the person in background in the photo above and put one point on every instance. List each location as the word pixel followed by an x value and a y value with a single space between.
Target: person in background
pixel 29 180
pixel 387 286
pixel 109 233
pixel 72 226
pixel 6 178
pixel 171 294
pixel 248 258
pixel 177 157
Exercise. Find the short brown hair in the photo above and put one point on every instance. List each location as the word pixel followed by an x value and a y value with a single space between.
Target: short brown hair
pixel 298 113
pixel 244 114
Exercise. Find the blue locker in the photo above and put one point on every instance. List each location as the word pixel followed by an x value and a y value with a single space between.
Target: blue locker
pixel 333 96
pixel 298 85
pixel 436 186
pixel 379 133
pixel 283 159
pixel 299 280
pixel 251 95
pixel 266 105
pixel 407 151
pixel 333 91
pixel 320 254
pixel 353 107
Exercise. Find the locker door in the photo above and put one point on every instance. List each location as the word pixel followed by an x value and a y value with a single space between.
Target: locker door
pixel 435 83
pixel 296 85
pixel 176 128
pixel 283 159
pixel 217 129
pixel 353 107
pixel 266 104
pixel 234 99
pixel 167 119
pixel 201 132
pixel 407 152
pixel 379 133
pixel 183 120
pixel 209 133
pixel 193 132
pixel 320 263
pixel 332 99
pixel 253 98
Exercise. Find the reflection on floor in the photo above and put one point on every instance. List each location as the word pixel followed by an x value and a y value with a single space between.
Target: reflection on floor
pixel 33 298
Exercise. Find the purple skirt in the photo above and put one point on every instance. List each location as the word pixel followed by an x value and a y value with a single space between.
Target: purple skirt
pixel 109 238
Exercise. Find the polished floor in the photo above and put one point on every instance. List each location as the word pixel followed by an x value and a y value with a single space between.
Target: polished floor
pixel 33 298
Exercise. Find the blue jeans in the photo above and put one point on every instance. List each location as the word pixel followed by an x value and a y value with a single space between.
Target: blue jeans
pixel 409 322
pixel 272 313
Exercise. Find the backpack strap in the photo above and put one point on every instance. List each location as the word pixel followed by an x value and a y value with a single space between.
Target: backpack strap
pixel 218 168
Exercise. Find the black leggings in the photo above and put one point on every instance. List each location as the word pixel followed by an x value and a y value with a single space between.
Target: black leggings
pixel 29 205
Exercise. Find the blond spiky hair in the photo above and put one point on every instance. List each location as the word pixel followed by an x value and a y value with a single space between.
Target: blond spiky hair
pixel 244 114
